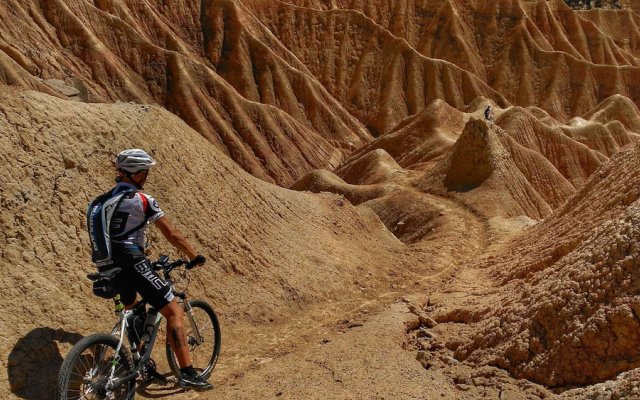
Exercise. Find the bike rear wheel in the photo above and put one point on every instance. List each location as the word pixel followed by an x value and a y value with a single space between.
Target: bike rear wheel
pixel 204 355
pixel 86 369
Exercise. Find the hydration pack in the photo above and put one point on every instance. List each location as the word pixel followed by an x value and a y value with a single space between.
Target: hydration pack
pixel 99 216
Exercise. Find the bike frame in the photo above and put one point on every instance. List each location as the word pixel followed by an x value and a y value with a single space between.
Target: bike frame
pixel 141 363
pixel 140 360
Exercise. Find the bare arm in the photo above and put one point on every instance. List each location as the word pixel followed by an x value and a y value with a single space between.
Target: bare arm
pixel 174 236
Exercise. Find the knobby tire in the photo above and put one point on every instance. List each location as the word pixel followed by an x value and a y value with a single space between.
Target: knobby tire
pixel 210 331
pixel 81 359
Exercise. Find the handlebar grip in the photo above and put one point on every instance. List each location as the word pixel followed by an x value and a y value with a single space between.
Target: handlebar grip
pixel 200 259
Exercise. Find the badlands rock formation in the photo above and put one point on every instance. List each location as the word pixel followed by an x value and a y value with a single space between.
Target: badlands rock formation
pixel 171 56
pixel 441 255
pixel 532 52
pixel 273 251
pixel 570 303
pixel 282 100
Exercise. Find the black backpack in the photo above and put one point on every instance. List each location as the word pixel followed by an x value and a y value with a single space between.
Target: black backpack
pixel 99 215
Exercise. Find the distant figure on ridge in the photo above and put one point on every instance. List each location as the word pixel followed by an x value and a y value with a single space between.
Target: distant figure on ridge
pixel 488 114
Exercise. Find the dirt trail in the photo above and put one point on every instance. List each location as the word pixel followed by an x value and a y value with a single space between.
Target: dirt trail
pixel 247 350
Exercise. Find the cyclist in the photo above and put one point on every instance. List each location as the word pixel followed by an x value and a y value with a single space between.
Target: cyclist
pixel 488 114
pixel 125 237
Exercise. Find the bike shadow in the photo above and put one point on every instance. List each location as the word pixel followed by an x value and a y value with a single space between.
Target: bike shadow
pixel 34 361
pixel 157 389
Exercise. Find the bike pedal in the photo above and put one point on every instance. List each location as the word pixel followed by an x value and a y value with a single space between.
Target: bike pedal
pixel 151 373
pixel 158 376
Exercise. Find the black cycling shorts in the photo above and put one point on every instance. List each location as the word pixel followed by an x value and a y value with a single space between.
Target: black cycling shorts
pixel 139 277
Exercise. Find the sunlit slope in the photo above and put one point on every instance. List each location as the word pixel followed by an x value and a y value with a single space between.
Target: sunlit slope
pixel 273 252
pixel 567 310
pixel 277 126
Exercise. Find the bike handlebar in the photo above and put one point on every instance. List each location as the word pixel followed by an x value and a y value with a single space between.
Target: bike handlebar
pixel 160 265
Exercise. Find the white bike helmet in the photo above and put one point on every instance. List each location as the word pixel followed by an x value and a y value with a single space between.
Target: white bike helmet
pixel 134 160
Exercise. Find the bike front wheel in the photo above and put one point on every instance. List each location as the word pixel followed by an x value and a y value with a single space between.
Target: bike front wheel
pixel 86 371
pixel 204 353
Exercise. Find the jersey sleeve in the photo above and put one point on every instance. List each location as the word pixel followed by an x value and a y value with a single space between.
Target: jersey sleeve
pixel 152 212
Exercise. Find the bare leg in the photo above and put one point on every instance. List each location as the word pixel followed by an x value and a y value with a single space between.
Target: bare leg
pixel 175 332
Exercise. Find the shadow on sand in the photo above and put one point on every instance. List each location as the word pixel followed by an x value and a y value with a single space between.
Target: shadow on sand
pixel 35 360
pixel 157 389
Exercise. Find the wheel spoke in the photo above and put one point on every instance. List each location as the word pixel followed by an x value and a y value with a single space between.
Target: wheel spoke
pixel 88 367
pixel 205 326
pixel 84 364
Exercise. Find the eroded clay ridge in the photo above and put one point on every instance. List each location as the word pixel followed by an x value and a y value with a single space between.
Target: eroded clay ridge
pixel 277 125
pixel 538 53
pixel 570 313
pixel 285 88
pixel 377 76
pixel 524 164
pixel 262 251
pixel 222 71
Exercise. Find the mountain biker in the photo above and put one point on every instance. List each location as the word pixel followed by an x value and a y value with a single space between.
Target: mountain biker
pixel 126 234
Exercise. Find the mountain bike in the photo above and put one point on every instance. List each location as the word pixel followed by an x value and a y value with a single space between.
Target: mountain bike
pixel 105 366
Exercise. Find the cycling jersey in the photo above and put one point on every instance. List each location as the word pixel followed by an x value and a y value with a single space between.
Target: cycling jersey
pixel 127 227
pixel 129 222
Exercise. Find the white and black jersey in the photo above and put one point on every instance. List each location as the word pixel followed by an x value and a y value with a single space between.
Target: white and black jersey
pixel 129 222
pixel 117 222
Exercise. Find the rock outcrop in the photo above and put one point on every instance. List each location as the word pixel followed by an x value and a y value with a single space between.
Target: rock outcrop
pixel 567 310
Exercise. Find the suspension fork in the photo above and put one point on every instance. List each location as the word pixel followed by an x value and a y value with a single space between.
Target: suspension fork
pixel 188 310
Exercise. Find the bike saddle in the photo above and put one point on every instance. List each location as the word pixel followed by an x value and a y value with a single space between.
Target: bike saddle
pixel 108 274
